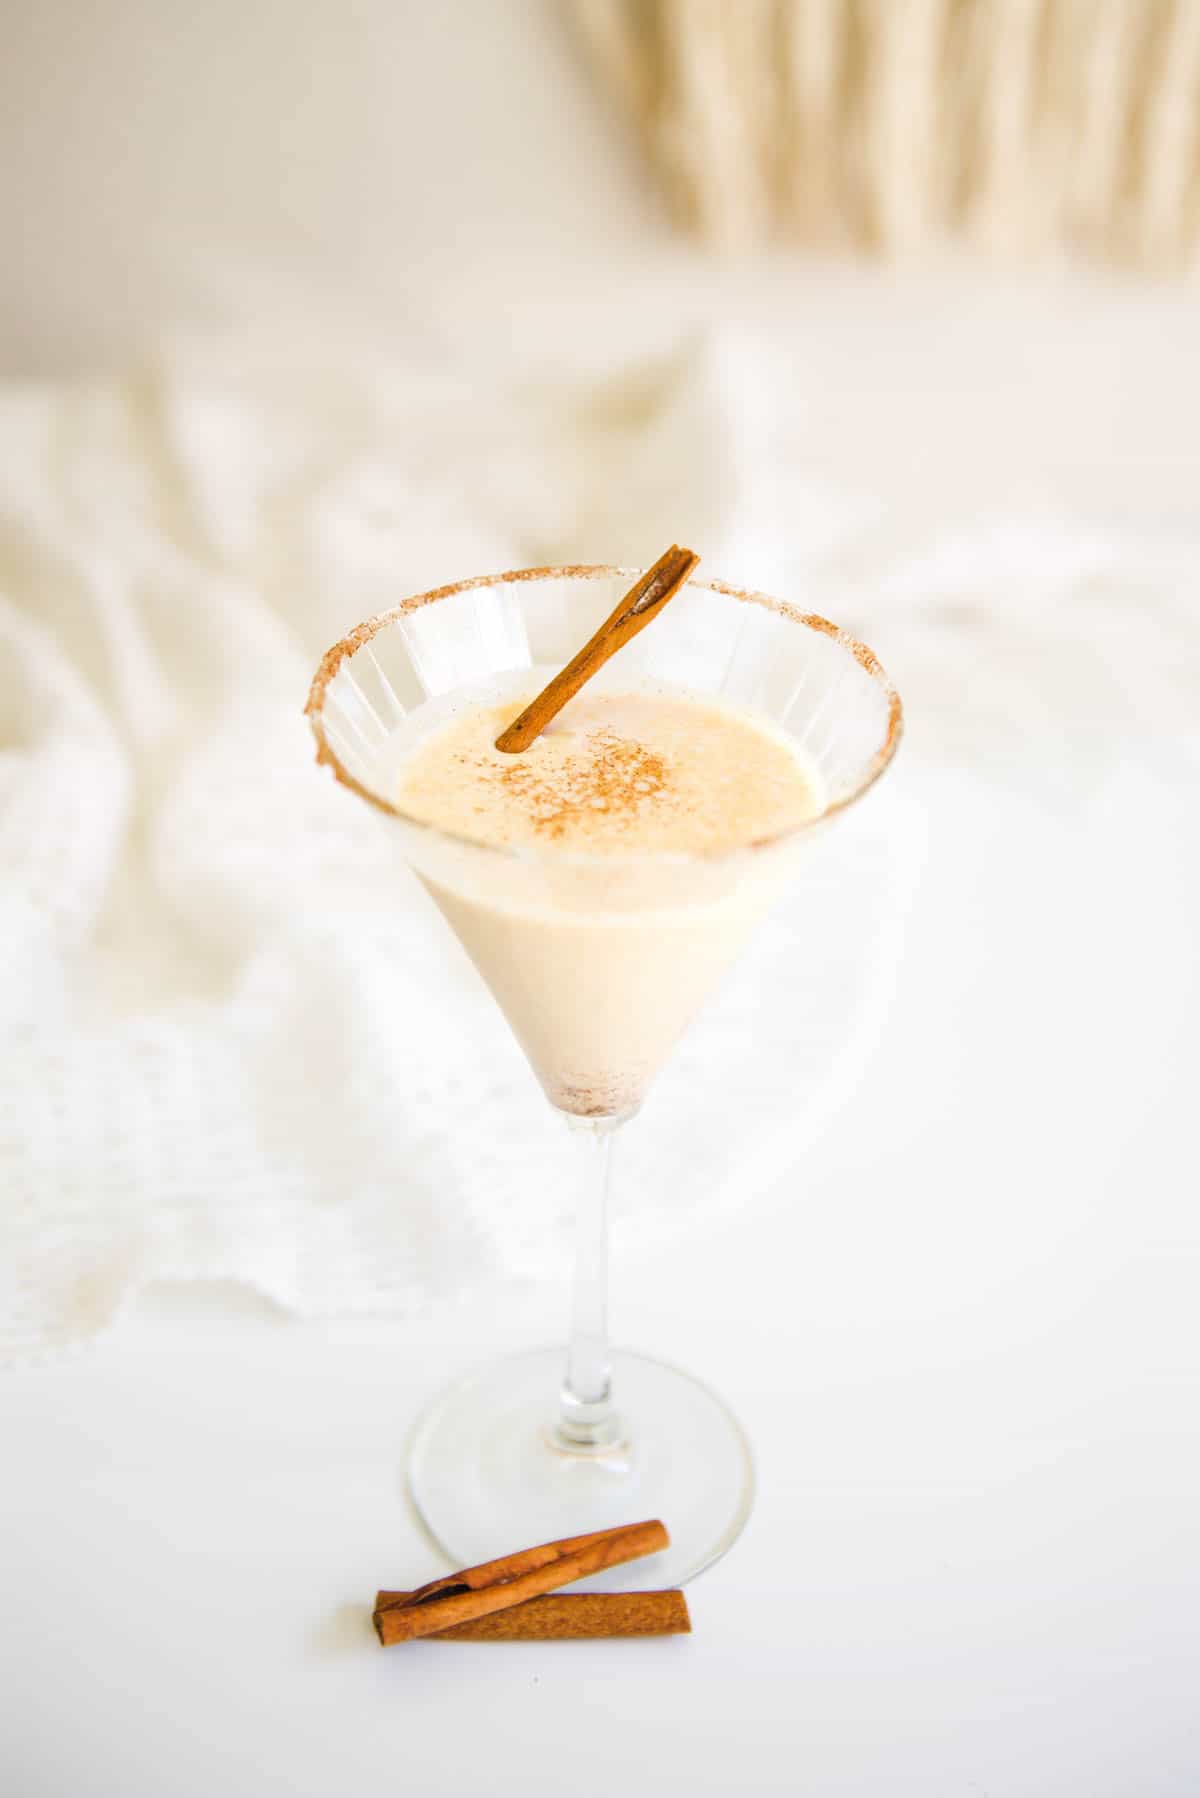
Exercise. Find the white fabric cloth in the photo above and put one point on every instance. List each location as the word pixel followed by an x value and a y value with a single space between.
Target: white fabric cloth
pixel 234 1041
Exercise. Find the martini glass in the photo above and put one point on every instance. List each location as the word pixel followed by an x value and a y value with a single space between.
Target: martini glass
pixel 598 963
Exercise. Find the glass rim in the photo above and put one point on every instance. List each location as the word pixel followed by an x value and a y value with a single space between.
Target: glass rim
pixel 357 638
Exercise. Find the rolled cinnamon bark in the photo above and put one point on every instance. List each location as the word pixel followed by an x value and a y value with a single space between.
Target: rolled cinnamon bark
pixel 644 601
pixel 498 1585
pixel 560 1617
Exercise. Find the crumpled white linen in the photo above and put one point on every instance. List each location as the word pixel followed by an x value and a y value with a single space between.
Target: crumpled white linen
pixel 235 1040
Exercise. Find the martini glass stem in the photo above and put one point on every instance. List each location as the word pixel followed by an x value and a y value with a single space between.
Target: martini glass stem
pixel 587 1422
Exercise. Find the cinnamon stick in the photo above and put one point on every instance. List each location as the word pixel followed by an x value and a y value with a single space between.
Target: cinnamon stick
pixel 563 1617
pixel 644 601
pixel 497 1585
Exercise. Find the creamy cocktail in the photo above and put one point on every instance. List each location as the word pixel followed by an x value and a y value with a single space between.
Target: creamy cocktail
pixel 597 994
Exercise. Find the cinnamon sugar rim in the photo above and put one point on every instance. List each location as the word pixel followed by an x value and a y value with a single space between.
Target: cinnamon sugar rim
pixel 362 634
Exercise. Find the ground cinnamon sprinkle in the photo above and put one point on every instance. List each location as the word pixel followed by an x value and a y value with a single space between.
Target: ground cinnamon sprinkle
pixel 617 773
pixel 618 776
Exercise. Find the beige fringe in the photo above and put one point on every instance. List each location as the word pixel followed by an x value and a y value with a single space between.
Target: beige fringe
pixel 1020 126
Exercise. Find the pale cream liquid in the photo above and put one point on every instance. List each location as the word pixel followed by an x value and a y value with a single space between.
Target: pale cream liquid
pixel 624 899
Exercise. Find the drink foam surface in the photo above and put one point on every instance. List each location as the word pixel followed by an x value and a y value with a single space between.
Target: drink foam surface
pixel 614 773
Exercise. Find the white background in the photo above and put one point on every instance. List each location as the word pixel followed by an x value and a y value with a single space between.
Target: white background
pixel 156 157
pixel 961 1334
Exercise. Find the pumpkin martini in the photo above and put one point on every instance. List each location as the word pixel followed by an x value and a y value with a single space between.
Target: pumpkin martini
pixel 597 995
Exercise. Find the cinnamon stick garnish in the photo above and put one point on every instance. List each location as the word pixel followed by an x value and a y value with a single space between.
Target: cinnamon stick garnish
pixel 564 1617
pixel 643 602
pixel 497 1585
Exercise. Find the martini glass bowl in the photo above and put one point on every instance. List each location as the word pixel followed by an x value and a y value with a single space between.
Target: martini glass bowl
pixel 598 962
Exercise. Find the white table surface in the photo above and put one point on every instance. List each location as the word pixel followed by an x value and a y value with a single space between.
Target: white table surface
pixel 962 1336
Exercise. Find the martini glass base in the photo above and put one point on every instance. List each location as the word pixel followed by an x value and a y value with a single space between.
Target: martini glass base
pixel 486 1476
